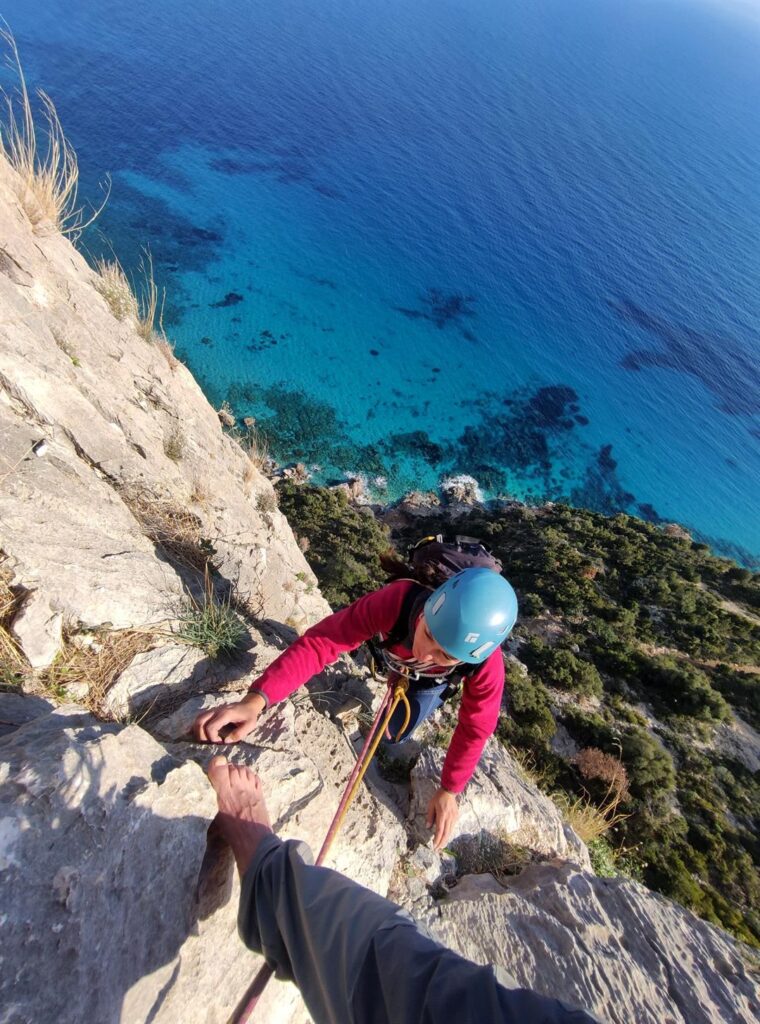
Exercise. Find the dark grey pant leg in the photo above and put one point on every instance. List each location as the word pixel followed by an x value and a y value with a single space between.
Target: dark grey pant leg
pixel 359 959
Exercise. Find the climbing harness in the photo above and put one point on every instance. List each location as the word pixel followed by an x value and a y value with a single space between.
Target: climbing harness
pixel 395 694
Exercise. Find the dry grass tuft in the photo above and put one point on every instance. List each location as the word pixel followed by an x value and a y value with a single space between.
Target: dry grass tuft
pixel 98 664
pixel 256 446
pixel 174 443
pixel 12 661
pixel 49 173
pixel 592 821
pixel 200 494
pixel 166 348
pixel 172 527
pixel 113 284
pixel 143 308
pixel 150 311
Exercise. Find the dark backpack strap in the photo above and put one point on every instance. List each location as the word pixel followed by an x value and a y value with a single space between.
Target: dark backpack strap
pixel 412 603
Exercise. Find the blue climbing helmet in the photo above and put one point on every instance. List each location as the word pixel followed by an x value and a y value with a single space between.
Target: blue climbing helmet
pixel 471 614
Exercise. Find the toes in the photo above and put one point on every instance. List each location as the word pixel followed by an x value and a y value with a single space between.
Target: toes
pixel 218 773
pixel 239 776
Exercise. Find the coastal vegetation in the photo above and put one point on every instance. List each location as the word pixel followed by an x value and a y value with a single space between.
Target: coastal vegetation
pixel 635 650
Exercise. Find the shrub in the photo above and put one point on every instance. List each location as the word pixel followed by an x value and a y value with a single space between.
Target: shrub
pixel 559 667
pixel 650 767
pixel 681 688
pixel 741 688
pixel 602 857
pixel 344 544
pixel 174 443
pixel 531 604
pixel 266 502
pixel 488 853
pixel 528 703
pixel 596 766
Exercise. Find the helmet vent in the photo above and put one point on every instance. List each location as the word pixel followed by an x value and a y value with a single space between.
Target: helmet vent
pixel 438 605
pixel 479 651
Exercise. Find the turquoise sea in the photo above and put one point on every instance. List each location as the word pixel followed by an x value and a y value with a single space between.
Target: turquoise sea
pixel 519 240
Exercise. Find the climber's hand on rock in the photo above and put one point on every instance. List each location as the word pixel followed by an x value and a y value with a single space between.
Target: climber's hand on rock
pixel 443 813
pixel 236 720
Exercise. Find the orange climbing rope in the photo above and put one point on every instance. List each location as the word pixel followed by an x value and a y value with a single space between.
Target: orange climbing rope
pixel 394 695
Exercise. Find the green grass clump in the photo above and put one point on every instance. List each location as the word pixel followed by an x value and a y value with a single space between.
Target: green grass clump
pixel 213 625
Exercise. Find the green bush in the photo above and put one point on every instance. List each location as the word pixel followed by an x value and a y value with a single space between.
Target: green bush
pixel 344 544
pixel 528 703
pixel 559 667
pixel 742 689
pixel 681 688
pixel 650 767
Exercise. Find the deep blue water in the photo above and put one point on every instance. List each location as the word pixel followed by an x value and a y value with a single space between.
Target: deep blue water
pixel 518 240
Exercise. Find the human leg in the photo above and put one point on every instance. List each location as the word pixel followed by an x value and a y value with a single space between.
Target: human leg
pixel 355 956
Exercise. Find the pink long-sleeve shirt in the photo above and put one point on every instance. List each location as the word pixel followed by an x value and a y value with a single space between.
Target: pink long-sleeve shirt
pixel 374 614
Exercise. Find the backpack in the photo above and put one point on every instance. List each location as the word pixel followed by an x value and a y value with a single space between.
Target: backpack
pixel 431 561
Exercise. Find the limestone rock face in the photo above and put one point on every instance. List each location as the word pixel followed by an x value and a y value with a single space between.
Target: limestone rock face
pixel 104 835
pixel 116 416
pixel 105 871
pixel 498 801
pixel 304 762
pixel 608 945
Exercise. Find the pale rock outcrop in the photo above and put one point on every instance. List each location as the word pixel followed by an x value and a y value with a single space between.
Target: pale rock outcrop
pixel 167 675
pixel 171 674
pixel 113 408
pixel 304 762
pixel 499 802
pixel 38 629
pixel 105 873
pixel 606 944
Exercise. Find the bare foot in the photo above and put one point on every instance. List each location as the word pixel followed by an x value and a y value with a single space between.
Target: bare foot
pixel 243 819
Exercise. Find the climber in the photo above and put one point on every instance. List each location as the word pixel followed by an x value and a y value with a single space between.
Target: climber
pixel 432 637
pixel 355 956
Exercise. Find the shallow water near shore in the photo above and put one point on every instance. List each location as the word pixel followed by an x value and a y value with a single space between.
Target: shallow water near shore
pixel 415 240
